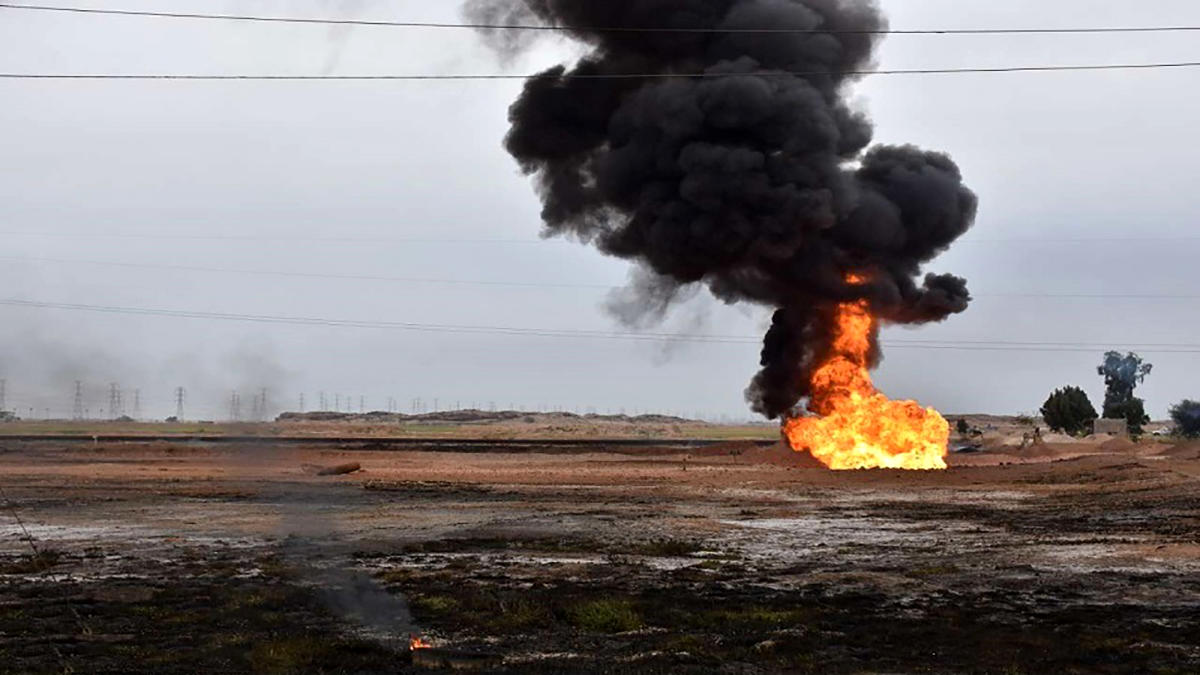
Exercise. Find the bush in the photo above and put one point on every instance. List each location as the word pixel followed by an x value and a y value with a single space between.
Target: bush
pixel 1186 415
pixel 1069 410
pixel 962 427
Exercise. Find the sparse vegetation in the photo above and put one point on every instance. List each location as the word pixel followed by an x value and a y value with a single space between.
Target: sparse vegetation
pixel 753 618
pixel 524 614
pixel 434 604
pixel 1069 410
pixel 605 616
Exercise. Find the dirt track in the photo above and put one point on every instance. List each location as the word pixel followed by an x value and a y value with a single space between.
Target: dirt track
pixel 185 558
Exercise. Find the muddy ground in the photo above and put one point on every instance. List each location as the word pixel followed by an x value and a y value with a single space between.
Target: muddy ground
pixel 172 558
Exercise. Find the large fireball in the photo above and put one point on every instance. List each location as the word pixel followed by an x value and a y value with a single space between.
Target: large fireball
pixel 857 427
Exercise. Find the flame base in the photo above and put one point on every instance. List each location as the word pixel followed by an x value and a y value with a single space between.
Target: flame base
pixel 857 427
pixel 874 433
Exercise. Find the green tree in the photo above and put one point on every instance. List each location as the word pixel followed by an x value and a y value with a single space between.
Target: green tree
pixel 962 427
pixel 1122 374
pixel 1069 409
pixel 1186 415
pixel 1134 414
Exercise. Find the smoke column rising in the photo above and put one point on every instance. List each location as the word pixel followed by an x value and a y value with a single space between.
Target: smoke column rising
pixel 758 180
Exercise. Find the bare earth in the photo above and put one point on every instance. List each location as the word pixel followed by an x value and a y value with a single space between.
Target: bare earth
pixel 182 558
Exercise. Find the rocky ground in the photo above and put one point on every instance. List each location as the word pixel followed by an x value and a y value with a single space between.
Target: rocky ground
pixel 735 559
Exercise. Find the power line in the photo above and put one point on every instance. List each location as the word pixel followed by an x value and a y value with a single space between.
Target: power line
pixel 1077 240
pixel 1094 296
pixel 396 325
pixel 1043 343
pixel 957 345
pixel 518 284
pixel 598 76
pixel 273 238
pixel 611 29
pixel 316 275
pixel 284 238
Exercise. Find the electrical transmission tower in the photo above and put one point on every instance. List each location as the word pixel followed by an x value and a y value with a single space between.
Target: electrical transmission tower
pixel 3 395
pixel 180 396
pixel 324 405
pixel 115 408
pixel 235 407
pixel 137 404
pixel 262 405
pixel 301 402
pixel 77 407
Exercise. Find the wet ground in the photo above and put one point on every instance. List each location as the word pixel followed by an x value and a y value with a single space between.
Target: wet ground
pixel 185 558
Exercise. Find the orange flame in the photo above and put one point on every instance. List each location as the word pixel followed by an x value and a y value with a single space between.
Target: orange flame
pixel 858 427
pixel 416 642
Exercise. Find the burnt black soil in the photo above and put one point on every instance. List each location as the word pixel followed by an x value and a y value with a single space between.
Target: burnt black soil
pixel 198 614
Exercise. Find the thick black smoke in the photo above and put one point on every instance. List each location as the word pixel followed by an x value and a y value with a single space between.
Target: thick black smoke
pixel 755 180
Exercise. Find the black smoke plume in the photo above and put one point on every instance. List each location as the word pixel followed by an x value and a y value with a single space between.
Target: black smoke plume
pixel 755 179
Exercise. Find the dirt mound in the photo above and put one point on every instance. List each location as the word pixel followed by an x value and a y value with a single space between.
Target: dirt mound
pixel 1053 437
pixel 1117 445
pixel 1154 449
pixel 1188 450
pixel 1041 450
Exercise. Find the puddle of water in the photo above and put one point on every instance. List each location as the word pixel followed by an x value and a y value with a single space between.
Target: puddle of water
pixel 1116 557
pixel 80 532
pixel 794 539
pixel 431 561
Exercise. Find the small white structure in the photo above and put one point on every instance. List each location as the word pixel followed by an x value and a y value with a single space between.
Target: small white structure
pixel 1111 427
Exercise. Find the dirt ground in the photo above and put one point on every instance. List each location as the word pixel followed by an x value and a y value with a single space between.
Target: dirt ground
pixel 740 558
pixel 472 424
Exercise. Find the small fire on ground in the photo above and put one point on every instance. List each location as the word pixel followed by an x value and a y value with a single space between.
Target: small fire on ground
pixel 856 426
pixel 416 642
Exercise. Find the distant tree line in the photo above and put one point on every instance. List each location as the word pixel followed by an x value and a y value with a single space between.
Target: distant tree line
pixel 1070 411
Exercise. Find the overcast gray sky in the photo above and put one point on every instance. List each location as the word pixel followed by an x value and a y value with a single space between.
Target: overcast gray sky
pixel 296 175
